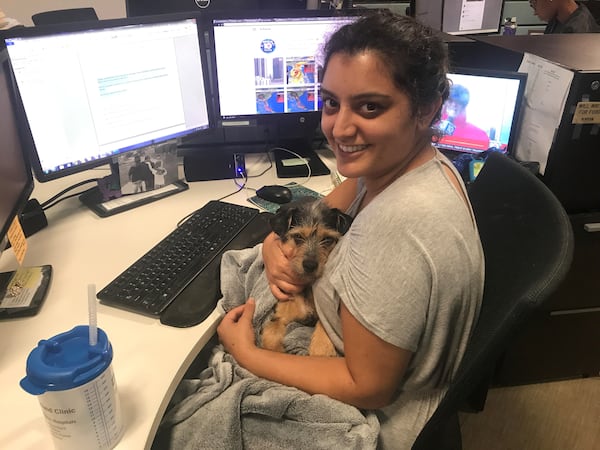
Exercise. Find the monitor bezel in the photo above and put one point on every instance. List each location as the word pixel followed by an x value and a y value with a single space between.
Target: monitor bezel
pixel 27 189
pixel 64 28
pixel 519 102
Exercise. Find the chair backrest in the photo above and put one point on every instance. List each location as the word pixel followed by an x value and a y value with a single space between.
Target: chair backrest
pixel 594 8
pixel 527 242
pixel 64 16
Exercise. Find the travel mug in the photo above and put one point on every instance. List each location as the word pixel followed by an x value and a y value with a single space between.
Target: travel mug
pixel 76 388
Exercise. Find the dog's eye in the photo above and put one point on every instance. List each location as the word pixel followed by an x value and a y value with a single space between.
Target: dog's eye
pixel 298 239
pixel 328 242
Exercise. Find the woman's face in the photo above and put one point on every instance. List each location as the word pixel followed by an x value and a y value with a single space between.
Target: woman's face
pixel 367 120
pixel 544 9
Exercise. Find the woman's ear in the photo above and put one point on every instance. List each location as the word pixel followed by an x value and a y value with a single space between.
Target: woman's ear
pixel 428 112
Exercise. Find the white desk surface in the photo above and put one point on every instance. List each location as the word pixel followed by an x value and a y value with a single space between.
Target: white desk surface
pixel 149 358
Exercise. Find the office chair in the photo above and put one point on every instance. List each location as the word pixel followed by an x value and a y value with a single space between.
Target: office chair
pixel 527 242
pixel 64 15
pixel 594 8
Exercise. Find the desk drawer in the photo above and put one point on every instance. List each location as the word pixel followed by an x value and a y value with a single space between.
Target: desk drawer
pixel 581 287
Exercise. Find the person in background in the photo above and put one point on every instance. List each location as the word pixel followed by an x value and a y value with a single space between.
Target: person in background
pixel 159 174
pixel 149 173
pixel 401 291
pixel 454 122
pixel 138 174
pixel 565 16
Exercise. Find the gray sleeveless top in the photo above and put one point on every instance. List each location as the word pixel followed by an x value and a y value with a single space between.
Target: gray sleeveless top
pixel 410 270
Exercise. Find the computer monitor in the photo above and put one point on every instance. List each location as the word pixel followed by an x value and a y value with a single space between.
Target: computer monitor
pixel 22 291
pixel 16 180
pixel 266 79
pixel 481 113
pixel 459 17
pixel 92 91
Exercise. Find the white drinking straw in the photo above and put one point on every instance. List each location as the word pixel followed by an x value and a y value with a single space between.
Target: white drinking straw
pixel 93 326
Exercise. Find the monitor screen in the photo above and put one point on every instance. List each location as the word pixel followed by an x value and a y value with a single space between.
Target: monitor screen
pixel 92 91
pixel 459 16
pixel 481 115
pixel 482 111
pixel 277 65
pixel 273 82
pixel 16 182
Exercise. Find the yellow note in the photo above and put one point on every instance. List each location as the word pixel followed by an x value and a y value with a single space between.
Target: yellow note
pixel 587 112
pixel 17 240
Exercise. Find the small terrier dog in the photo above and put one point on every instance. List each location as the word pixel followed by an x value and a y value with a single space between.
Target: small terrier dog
pixel 312 229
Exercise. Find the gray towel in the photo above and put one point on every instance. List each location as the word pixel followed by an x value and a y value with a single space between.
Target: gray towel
pixel 227 407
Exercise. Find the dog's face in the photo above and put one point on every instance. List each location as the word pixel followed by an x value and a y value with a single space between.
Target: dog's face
pixel 312 229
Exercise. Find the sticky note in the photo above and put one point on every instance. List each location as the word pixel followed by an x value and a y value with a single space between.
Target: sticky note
pixel 17 239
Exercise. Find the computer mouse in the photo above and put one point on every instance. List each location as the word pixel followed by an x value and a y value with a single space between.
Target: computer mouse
pixel 275 193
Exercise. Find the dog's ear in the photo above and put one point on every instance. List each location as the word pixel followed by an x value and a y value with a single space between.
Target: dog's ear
pixel 337 220
pixel 343 221
pixel 282 220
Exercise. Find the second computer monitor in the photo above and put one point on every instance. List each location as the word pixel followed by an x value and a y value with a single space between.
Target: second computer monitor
pixel 275 74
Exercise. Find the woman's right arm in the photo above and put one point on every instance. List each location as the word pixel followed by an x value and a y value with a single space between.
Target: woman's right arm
pixel 343 195
pixel 282 280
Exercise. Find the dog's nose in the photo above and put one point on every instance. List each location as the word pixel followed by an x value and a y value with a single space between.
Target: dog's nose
pixel 309 265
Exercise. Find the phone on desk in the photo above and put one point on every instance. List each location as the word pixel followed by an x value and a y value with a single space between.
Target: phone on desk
pixel 23 291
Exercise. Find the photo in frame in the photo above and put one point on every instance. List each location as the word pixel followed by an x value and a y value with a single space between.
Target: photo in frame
pixel 148 168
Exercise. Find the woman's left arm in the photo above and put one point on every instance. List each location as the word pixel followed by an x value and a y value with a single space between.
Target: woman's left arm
pixel 367 376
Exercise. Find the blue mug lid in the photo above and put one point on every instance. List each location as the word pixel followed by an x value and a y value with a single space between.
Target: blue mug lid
pixel 66 361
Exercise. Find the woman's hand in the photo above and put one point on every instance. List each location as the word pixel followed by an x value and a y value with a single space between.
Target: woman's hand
pixel 282 279
pixel 236 332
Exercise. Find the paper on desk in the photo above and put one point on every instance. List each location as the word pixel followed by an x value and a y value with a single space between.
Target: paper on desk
pixel 548 86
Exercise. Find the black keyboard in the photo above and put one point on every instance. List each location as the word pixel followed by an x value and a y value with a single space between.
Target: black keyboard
pixel 153 282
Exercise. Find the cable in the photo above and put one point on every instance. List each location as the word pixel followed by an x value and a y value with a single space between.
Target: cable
pixel 51 201
pixel 240 186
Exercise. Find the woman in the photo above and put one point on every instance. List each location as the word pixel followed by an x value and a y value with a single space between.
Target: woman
pixel 564 16
pixel 402 289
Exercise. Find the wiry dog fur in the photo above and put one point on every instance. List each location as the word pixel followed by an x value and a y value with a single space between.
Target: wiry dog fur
pixel 312 229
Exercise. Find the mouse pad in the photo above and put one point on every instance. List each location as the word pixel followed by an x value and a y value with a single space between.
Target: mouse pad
pixel 298 191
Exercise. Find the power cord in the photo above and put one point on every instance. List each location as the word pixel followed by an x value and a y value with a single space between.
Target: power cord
pixel 54 200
